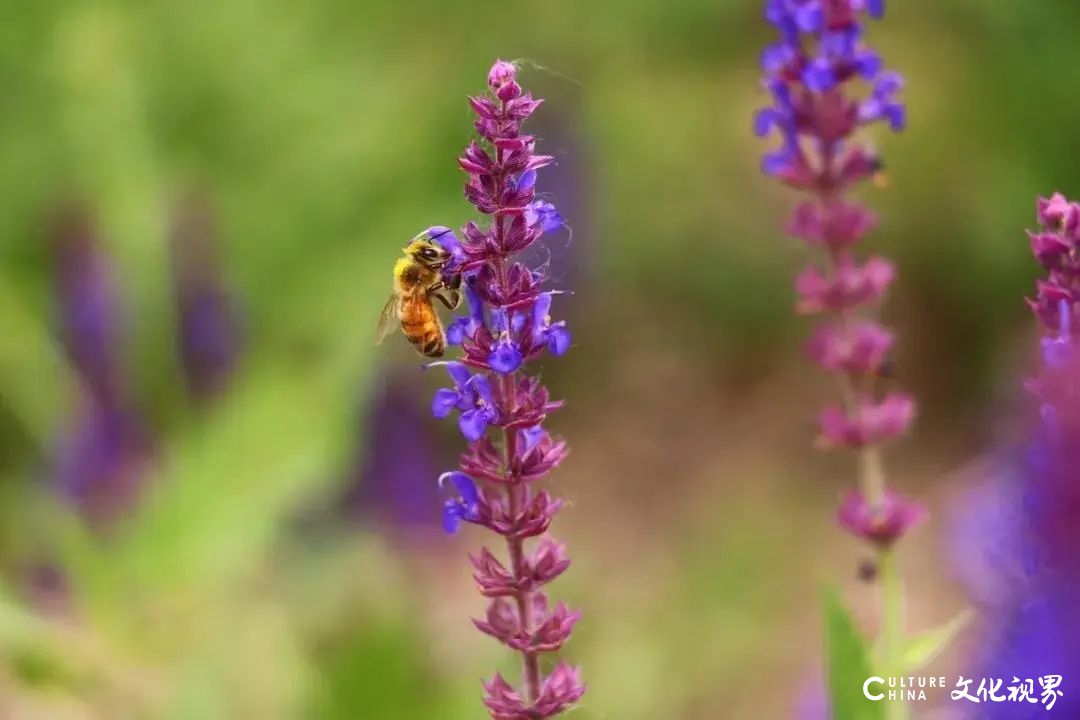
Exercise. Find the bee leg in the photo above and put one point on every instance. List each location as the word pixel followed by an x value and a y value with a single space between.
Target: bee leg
pixel 450 297
pixel 448 293
pixel 455 290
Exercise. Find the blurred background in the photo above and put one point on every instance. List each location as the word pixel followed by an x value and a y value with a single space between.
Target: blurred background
pixel 217 498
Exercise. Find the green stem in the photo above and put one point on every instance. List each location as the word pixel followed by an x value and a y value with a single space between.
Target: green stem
pixel 872 485
pixel 892 625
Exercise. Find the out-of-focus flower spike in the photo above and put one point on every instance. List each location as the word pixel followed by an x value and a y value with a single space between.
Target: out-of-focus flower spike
pixel 209 335
pixel 818 103
pixel 89 307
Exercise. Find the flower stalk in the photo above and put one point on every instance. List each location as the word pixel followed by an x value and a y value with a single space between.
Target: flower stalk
pixel 502 408
pixel 812 75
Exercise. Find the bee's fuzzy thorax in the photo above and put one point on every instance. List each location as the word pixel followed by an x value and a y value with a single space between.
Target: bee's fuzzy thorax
pixel 410 275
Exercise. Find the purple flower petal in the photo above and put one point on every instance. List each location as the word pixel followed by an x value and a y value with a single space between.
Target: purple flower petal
pixel 444 402
pixel 888 84
pixel 541 308
pixel 765 119
pixel 526 181
pixel 558 339
pixel 457 331
pixel 473 424
pixel 482 387
pixel 544 215
pixel 505 358
pixel 530 436
pixel 809 17
pixel 451 519
pixel 897 116
pixel 465 486
pixel 459 373
pixel 776 57
pixel 819 75
pixel 868 64
pixel 499 322
pixel 776 162
pixel 442 235
pixel 839 44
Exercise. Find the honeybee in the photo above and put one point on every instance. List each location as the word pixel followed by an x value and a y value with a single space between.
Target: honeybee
pixel 418 278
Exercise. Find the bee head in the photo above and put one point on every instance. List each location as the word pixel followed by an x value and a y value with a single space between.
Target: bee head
pixel 427 253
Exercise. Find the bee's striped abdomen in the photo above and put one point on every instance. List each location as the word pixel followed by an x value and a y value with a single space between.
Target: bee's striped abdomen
pixel 420 325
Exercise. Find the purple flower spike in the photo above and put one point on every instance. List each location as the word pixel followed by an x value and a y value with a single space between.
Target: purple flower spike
pixel 503 409
pixel 104 455
pixel 825 85
pixel 883 525
pixel 1020 532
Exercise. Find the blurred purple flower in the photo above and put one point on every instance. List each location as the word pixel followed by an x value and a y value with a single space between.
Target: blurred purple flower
pixel 847 286
pixel 391 483
pixel 101 460
pixel 870 423
pixel 858 350
pixel 1018 534
pixel 509 325
pixel 209 337
pixel 89 308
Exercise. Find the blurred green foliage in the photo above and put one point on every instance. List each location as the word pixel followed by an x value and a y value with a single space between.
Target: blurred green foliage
pixel 325 133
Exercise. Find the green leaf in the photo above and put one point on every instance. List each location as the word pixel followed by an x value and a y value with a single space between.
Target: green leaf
pixel 848 664
pixel 920 649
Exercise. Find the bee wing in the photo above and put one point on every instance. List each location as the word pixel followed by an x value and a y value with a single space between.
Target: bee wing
pixel 388 319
